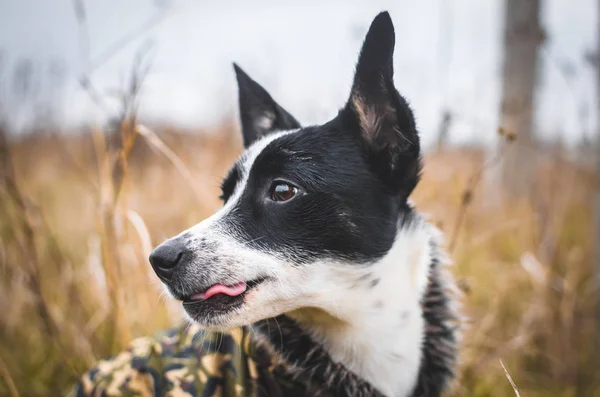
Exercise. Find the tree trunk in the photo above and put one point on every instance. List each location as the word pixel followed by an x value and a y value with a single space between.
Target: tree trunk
pixel 597 226
pixel 443 132
pixel 522 37
pixel 597 179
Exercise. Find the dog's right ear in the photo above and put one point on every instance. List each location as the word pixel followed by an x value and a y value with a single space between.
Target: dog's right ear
pixel 259 113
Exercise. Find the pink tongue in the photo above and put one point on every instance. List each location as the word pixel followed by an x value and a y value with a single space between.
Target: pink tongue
pixel 233 290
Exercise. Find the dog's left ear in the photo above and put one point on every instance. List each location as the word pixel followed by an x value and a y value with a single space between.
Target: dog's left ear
pixel 259 113
pixel 380 116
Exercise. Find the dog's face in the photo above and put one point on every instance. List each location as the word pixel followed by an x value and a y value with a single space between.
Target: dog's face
pixel 305 209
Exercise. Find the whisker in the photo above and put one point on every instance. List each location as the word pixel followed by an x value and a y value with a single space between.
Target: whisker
pixel 280 333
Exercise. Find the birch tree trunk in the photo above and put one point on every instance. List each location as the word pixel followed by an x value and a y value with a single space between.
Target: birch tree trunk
pixel 522 38
pixel 597 187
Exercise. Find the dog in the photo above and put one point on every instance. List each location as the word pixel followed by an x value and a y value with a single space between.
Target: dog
pixel 318 252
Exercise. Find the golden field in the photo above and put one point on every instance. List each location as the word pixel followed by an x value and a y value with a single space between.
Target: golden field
pixel 79 215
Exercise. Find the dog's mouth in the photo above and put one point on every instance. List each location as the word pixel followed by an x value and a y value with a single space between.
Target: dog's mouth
pixel 219 298
pixel 216 289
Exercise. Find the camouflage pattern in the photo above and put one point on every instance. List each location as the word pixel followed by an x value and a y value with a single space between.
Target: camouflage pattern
pixel 189 362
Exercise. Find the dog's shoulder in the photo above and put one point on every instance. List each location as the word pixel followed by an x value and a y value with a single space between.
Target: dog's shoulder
pixel 186 361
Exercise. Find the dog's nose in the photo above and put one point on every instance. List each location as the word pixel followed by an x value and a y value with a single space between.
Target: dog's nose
pixel 165 258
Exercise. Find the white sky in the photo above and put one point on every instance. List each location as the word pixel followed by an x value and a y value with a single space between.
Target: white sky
pixel 447 56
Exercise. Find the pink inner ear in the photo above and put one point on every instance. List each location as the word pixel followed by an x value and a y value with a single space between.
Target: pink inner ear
pixel 374 119
pixel 265 121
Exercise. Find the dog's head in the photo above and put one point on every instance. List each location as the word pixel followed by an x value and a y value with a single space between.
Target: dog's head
pixel 304 207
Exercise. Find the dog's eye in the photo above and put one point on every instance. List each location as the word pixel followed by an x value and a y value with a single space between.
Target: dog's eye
pixel 282 191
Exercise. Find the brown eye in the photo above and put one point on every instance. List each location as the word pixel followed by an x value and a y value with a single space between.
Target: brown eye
pixel 282 191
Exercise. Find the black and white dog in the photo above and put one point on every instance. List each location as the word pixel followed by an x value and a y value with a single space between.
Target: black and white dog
pixel 318 232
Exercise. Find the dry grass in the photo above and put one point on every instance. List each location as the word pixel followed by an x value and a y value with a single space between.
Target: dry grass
pixel 78 217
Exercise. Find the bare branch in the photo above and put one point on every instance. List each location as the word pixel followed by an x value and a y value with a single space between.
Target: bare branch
pixel 510 379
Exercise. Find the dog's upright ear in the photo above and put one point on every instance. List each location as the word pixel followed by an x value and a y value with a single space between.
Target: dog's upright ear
pixel 380 116
pixel 259 113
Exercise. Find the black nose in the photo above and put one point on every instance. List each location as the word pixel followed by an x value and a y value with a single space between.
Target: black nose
pixel 165 258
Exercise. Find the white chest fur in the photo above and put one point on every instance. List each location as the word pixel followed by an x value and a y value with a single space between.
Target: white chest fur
pixel 370 318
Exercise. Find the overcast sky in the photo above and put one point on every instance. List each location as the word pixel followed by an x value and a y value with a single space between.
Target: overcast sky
pixel 447 56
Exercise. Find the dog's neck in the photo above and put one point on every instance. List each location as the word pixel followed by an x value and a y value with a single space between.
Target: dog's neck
pixel 377 324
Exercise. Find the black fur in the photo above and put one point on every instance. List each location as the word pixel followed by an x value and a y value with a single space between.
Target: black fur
pixel 441 327
pixel 341 210
pixel 308 362
pixel 259 113
pixel 380 115
pixel 229 182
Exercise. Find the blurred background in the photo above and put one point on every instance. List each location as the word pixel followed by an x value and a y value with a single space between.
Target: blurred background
pixel 118 120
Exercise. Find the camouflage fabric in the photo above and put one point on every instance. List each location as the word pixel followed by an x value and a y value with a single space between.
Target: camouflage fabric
pixel 188 362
